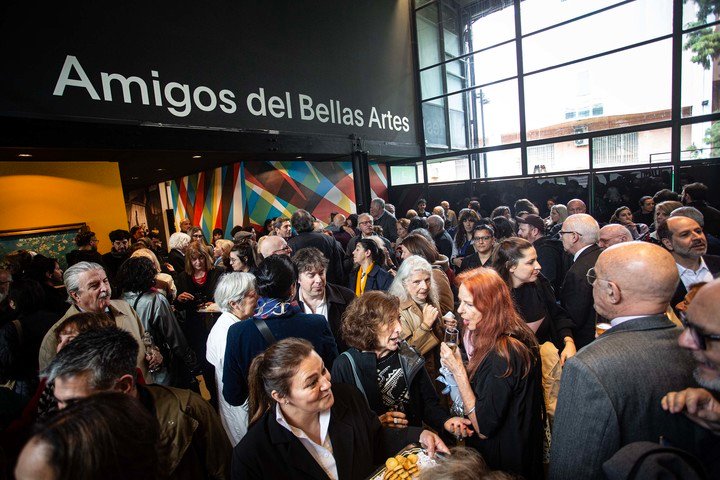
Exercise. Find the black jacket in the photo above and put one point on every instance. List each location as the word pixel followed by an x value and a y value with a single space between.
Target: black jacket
pixel 577 298
pixel 473 261
pixel 378 279
pixel 328 246
pixel 424 404
pixel 338 298
pixel 360 444
pixel 177 260
pixel 553 260
pixel 444 243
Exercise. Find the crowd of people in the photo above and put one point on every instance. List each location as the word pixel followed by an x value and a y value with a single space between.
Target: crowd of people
pixel 508 346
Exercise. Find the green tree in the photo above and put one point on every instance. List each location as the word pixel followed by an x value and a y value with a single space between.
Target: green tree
pixel 704 43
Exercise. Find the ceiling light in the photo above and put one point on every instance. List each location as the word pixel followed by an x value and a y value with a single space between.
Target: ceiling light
pixel 299 156
pixel 134 178
pixel 159 169
pixel 24 155
pixel 197 156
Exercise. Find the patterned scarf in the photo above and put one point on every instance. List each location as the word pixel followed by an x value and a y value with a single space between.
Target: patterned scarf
pixel 274 308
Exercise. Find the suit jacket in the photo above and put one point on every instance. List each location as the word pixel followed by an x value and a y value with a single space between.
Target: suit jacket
pixel 576 296
pixel 610 396
pixel 388 222
pixel 177 260
pixel 444 243
pixel 713 264
pixel 337 298
pixel 328 246
pixel 553 260
pixel 360 444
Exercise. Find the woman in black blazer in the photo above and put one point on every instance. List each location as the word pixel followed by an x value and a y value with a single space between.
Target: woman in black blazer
pixel 368 274
pixel 295 410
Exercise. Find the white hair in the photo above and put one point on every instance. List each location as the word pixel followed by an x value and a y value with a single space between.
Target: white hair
pixel 233 287
pixel 71 277
pixel 179 241
pixel 410 265
pixel 585 225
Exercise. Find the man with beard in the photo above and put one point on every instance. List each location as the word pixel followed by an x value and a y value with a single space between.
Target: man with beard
pixel 685 240
pixel 89 290
pixel 120 240
pixel 702 337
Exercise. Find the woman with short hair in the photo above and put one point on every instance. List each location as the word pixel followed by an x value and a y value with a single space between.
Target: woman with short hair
pixel 501 386
pixel 302 426
pixel 558 214
pixel 391 374
pixel 221 249
pixel 236 297
pixel 415 244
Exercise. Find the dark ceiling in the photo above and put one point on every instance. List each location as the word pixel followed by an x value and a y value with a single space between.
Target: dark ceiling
pixel 148 155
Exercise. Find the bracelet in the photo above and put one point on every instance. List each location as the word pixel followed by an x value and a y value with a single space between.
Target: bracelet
pixel 423 329
pixel 471 410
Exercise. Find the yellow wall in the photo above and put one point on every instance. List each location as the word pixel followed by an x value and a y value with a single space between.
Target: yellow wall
pixel 39 194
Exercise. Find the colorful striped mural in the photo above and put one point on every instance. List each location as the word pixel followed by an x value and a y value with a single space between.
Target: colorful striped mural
pixel 249 193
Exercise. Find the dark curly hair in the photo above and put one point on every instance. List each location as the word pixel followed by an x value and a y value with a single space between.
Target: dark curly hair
pixel 365 315
pixel 136 274
pixel 83 238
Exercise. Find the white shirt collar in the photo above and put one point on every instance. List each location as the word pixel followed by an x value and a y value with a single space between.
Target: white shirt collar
pixel 618 320
pixel 703 266
pixel 577 254
pixel 324 424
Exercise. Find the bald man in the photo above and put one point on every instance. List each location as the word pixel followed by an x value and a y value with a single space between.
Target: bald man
pixel 611 391
pixel 576 206
pixel 685 240
pixel 579 236
pixel 702 338
pixel 274 245
pixel 613 234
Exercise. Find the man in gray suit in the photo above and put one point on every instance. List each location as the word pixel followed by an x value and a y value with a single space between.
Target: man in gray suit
pixel 611 390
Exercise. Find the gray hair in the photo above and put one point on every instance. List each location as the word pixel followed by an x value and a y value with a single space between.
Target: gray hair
pixel 233 287
pixel 179 241
pixel 365 215
pixel 106 353
pixel 423 232
pixel 379 202
pixel 410 265
pixel 561 210
pixel 436 220
pixel 71 277
pixel 585 225
pixel 690 212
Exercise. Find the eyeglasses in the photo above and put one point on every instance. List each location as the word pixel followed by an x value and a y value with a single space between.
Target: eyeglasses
pixel 570 231
pixel 366 222
pixel 482 239
pixel 699 337
pixel 591 277
pixel 284 249
pixel 197 235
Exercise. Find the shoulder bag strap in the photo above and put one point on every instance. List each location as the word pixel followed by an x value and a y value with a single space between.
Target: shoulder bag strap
pixel 137 300
pixel 264 330
pixel 358 384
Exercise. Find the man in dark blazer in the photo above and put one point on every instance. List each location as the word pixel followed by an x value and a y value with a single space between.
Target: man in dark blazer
pixel 302 222
pixel 579 234
pixel 385 219
pixel 316 295
pixel 611 391
pixel 683 237
pixel 443 240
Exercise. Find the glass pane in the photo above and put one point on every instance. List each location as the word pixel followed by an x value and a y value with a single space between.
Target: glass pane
pixel 652 146
pixel 434 123
pixel 498 114
pixel 451 34
pixel 537 14
pixel 456 104
pixel 700 140
pixel 495 23
pixel 501 163
pixel 627 88
pixel 558 157
pixel 431 84
pixel 448 170
pixel 420 3
pixel 617 189
pixel 700 94
pixel 427 36
pixel 694 15
pixel 403 174
pixel 589 36
pixel 495 64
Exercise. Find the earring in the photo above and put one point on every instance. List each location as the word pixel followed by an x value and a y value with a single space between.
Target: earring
pixel 286 402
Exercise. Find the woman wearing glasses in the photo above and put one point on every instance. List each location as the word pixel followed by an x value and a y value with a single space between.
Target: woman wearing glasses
pixel 483 241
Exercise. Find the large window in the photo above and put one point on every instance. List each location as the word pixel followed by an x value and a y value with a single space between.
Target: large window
pixel 600 84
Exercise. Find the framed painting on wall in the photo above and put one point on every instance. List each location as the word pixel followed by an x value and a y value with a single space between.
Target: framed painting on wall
pixel 52 241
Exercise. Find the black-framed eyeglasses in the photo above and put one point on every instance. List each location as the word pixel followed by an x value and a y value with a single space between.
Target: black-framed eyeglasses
pixel 591 277
pixel 561 232
pixel 699 337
